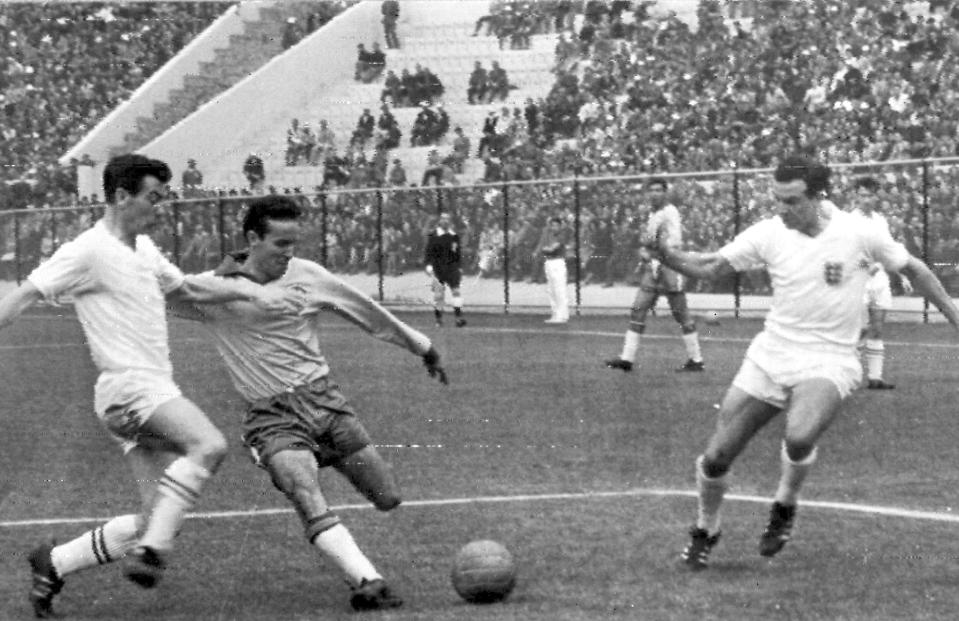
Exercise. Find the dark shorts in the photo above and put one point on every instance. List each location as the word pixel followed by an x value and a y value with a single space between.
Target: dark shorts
pixel 450 276
pixel 315 417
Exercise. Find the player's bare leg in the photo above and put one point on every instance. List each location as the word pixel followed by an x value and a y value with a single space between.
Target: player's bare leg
pixel 680 311
pixel 295 473
pixel 644 301
pixel 372 476
pixel 439 300
pixel 875 349
pixel 458 306
pixel 740 417
pixel 813 406
pixel 177 428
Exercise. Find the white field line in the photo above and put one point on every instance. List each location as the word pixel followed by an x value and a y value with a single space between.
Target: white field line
pixel 895 512
pixel 544 331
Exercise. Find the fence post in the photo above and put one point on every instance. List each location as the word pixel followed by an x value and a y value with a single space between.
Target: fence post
pixel 505 248
pixel 925 230
pixel 17 249
pixel 737 223
pixel 379 244
pixel 221 225
pixel 577 212
pixel 324 228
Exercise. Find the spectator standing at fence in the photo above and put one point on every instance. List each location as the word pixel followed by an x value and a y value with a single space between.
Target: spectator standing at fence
pixel 553 250
pixel 443 256
pixel 390 10
pixel 656 279
pixel 192 180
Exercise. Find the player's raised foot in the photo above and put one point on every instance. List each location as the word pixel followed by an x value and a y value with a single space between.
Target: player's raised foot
pixel 701 543
pixel 779 529
pixel 144 566
pixel 374 595
pixel 460 323
pixel 691 366
pixel 46 582
pixel 619 363
pixel 878 384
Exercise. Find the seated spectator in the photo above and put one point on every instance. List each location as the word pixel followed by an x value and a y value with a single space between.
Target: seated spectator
pixel 368 67
pixel 364 128
pixel 498 83
pixel 434 169
pixel 377 62
pixel 192 180
pixel 424 126
pixel 307 144
pixel 428 85
pixel 393 91
pixel 325 144
pixel 397 174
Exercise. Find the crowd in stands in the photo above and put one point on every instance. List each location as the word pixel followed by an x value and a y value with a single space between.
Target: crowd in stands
pixel 412 88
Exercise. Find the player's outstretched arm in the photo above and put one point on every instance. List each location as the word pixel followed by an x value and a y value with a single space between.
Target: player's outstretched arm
pixel 705 265
pixel 209 289
pixel 926 283
pixel 16 302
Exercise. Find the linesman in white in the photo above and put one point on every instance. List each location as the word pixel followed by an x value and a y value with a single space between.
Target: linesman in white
pixel 553 248
pixel 878 297
pixel 655 280
pixel 120 283
pixel 297 420
pixel 804 362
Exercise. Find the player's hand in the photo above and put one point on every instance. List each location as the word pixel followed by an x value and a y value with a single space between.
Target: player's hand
pixel 429 271
pixel 907 287
pixel 431 359
pixel 281 299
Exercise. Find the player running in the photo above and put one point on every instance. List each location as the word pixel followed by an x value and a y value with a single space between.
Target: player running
pixel 655 280
pixel 878 297
pixel 120 283
pixel 804 362
pixel 297 419
pixel 442 261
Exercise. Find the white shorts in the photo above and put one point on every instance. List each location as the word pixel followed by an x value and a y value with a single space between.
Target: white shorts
pixel 772 368
pixel 878 292
pixel 124 401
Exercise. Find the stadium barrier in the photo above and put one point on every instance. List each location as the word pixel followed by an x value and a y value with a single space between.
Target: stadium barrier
pixel 379 234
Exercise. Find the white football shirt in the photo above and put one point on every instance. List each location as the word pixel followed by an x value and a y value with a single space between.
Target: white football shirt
pixel 118 293
pixel 818 282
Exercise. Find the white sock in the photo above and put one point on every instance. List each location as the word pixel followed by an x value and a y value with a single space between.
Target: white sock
pixel 692 346
pixel 177 492
pixel 630 346
pixel 337 543
pixel 793 475
pixel 875 356
pixel 711 492
pixel 104 544
pixel 457 301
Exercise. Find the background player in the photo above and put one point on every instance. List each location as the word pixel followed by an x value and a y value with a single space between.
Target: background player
pixel 878 297
pixel 297 420
pixel 553 248
pixel 118 279
pixel 804 362
pixel 443 267
pixel 656 279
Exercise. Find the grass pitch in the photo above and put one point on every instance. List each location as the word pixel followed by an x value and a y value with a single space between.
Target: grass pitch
pixel 534 444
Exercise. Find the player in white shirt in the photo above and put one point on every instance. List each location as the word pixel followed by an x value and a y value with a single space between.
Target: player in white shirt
pixel 297 420
pixel 119 282
pixel 804 362
pixel 656 280
pixel 878 297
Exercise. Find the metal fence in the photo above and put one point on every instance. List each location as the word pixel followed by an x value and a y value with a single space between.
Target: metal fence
pixel 378 235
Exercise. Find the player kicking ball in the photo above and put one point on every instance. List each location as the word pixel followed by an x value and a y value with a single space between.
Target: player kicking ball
pixel 804 363
pixel 297 420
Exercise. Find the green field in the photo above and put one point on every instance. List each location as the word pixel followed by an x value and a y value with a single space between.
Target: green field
pixel 584 473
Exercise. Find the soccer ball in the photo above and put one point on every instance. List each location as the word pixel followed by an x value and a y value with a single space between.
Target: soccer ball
pixel 483 572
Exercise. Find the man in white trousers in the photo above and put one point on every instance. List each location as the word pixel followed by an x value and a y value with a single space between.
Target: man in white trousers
pixel 553 248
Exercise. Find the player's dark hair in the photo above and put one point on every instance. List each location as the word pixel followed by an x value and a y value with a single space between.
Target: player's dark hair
pixel 660 181
pixel 868 182
pixel 806 169
pixel 127 172
pixel 265 208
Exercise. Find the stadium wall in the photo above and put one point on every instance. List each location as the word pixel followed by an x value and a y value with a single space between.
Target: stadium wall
pixel 223 132
pixel 122 120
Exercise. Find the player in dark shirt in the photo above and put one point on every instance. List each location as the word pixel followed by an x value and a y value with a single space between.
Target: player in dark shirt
pixel 443 267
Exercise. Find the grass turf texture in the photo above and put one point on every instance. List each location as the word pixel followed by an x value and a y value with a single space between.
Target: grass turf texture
pixel 530 410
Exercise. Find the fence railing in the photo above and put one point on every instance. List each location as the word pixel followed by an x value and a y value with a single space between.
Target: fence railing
pixel 380 233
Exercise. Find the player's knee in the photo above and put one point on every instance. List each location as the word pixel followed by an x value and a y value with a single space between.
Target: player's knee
pixel 687 325
pixel 715 466
pixel 799 449
pixel 873 332
pixel 210 451
pixel 387 500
